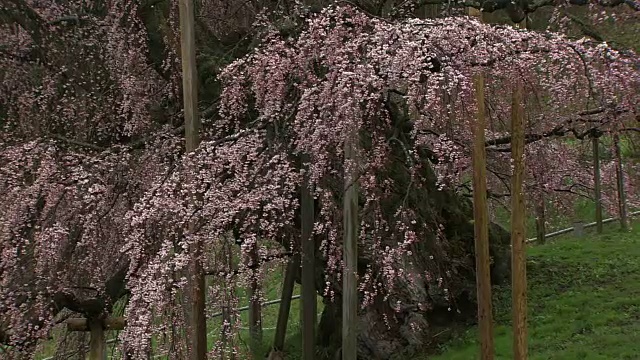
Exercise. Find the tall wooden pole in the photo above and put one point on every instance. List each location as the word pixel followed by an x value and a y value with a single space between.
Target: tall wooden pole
pixel 481 228
pixel 309 295
pixel 227 309
pixel 196 319
pixel 622 198
pixel 596 183
pixel 255 308
pixel 189 74
pixel 481 220
pixel 518 245
pixel 350 250
pixel 518 256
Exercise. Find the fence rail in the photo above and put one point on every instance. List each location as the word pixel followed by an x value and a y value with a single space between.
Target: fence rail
pixel 587 225
pixel 266 303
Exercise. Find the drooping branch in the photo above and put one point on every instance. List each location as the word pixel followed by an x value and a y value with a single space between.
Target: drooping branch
pixel 558 131
pixel 562 129
pixel 23 15
pixel 533 5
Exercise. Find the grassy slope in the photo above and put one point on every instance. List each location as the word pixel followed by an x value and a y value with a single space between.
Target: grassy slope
pixel 584 302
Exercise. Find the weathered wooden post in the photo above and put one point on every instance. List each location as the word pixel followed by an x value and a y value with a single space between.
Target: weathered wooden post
pixel 541 221
pixel 285 303
pixel 227 309
pixel 195 320
pixel 428 11
pixel 309 295
pixel 350 250
pixel 518 248
pixel 96 328
pixel 622 198
pixel 578 228
pixel 97 342
pixel 596 183
pixel 481 223
pixel 255 306
pixel 226 326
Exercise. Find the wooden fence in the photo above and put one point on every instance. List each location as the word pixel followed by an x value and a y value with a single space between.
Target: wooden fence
pixel 578 227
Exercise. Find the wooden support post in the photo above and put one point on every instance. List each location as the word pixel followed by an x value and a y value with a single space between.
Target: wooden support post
pixel 541 221
pixel 255 308
pixel 481 227
pixel 97 342
pixel 428 11
pixel 285 304
pixel 596 183
pixel 225 329
pixel 227 309
pixel 189 74
pixel 432 11
pixel 196 327
pixel 622 198
pixel 96 327
pixel 309 294
pixel 350 250
pixel 578 228
pixel 518 255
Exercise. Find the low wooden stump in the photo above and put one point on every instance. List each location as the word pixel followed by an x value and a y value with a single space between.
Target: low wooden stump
pixel 578 229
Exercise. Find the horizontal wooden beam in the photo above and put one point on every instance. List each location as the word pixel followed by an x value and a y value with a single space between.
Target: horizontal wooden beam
pixel 110 323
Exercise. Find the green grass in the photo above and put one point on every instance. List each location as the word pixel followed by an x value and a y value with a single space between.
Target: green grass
pixel 583 300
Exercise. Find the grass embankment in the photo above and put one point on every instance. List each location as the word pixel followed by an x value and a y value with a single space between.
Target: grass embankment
pixel 584 302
